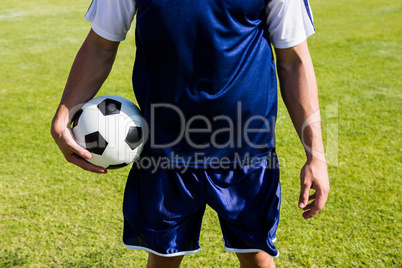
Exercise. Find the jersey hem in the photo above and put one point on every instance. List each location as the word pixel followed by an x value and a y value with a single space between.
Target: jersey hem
pixel 180 253
pixel 210 162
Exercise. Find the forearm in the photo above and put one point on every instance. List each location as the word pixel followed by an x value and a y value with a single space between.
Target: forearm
pixel 90 69
pixel 299 92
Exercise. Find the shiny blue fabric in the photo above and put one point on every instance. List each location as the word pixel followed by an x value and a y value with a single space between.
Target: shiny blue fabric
pixel 163 209
pixel 205 57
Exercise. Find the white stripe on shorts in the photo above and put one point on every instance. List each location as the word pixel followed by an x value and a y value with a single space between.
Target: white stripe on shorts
pixel 180 253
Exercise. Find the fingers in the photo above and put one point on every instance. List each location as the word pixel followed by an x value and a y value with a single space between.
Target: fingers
pixel 314 175
pixel 316 206
pixel 73 152
pixel 75 159
pixel 304 194
pixel 72 146
pixel 310 205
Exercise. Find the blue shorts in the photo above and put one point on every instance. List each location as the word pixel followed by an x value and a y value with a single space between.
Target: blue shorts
pixel 163 209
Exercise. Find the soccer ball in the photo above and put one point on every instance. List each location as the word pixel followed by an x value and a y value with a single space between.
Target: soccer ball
pixel 110 127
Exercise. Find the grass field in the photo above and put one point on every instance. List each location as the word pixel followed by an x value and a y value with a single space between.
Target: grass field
pixel 54 214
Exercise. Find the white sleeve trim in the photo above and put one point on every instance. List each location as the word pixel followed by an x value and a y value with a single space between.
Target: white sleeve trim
pixel 289 22
pixel 111 19
pixel 290 43
pixel 112 37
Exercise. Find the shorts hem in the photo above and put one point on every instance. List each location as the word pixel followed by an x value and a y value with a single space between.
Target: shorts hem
pixel 180 253
pixel 249 250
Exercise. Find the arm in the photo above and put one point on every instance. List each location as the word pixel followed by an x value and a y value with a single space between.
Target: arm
pixel 299 92
pixel 90 69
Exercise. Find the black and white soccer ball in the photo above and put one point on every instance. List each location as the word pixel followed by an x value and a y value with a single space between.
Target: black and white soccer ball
pixel 111 128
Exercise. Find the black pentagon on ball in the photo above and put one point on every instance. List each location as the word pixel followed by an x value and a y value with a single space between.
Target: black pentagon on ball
pixel 134 137
pixel 95 143
pixel 109 107
pixel 117 166
pixel 76 117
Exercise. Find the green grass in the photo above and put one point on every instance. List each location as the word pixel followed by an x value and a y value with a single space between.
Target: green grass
pixel 54 214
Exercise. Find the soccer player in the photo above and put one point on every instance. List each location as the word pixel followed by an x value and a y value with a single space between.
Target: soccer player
pixel 205 80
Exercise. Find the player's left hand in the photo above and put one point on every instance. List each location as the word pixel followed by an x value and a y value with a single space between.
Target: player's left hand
pixel 314 175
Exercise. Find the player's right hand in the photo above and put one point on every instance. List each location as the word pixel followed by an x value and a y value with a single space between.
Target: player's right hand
pixel 64 138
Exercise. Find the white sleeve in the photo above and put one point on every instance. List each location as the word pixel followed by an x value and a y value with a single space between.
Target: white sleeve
pixel 111 19
pixel 289 22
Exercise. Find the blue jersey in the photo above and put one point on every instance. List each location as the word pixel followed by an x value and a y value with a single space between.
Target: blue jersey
pixel 204 74
pixel 213 61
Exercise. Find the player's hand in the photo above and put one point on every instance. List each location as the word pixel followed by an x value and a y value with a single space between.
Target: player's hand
pixel 314 175
pixel 73 153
